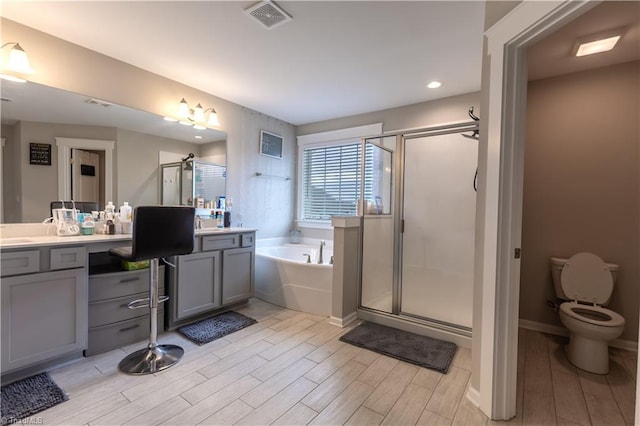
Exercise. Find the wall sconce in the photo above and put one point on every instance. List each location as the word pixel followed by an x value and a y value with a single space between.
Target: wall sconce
pixel 198 117
pixel 18 62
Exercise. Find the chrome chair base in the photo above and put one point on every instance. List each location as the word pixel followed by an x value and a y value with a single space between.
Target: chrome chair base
pixel 151 360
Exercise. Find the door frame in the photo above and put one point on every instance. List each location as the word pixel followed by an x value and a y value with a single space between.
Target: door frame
pixel 64 163
pixel 497 276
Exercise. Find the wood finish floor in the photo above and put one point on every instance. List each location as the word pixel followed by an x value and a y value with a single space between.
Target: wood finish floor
pixel 291 369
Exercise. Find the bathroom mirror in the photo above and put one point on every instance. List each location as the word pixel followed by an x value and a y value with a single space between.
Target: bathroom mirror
pixel 34 116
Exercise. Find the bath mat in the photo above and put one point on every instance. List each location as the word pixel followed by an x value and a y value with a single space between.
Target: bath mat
pixel 29 396
pixel 216 327
pixel 420 350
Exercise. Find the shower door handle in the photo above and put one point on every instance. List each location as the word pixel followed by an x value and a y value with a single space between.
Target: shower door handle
pixel 402 226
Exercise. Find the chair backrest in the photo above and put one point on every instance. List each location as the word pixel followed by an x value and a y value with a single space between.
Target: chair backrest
pixel 160 231
pixel 82 206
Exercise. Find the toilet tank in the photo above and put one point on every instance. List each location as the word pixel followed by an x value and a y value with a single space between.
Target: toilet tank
pixel 557 263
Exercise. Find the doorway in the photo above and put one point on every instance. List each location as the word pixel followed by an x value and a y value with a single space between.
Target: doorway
pixel 101 147
pixel 498 269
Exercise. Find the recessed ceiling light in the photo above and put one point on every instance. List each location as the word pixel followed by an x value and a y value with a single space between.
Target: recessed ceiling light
pixel 597 46
pixel 597 43
pixel 434 85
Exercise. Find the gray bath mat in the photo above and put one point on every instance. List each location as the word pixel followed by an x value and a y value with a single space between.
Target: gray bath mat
pixel 420 350
pixel 29 396
pixel 216 327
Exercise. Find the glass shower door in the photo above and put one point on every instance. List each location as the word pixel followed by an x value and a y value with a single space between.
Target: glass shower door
pixel 439 223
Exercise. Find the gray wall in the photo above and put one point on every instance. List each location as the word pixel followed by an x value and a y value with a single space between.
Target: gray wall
pixel 582 184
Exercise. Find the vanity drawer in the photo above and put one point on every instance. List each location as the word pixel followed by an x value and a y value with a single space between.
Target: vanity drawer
pixel 114 310
pixel 108 337
pixel 67 258
pixel 20 262
pixel 220 242
pixel 118 284
pixel 248 240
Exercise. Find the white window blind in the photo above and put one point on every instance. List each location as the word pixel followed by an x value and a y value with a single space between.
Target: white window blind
pixel 331 181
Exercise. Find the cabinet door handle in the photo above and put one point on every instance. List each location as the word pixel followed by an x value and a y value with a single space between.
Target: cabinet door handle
pixel 139 303
pixel 129 328
pixel 128 280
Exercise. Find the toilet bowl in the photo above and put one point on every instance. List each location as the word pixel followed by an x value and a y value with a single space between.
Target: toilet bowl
pixel 586 282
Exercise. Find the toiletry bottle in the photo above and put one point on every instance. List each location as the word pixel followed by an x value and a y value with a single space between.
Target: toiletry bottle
pixel 227 219
pixel 110 209
pixel 219 217
pixel 125 212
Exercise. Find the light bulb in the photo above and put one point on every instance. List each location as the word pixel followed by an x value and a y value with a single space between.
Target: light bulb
pixel 183 109
pixel 213 118
pixel 198 114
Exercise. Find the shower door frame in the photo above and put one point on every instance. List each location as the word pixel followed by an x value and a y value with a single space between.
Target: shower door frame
pixel 396 316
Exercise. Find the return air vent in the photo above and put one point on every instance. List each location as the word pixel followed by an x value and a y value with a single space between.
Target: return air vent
pixel 268 14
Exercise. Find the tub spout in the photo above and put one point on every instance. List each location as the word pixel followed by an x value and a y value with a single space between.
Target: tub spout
pixel 320 261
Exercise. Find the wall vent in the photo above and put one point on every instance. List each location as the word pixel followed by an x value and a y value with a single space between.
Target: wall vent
pixel 268 14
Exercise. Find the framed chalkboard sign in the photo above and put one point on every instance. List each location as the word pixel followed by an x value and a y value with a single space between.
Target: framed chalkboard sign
pixel 270 144
pixel 40 153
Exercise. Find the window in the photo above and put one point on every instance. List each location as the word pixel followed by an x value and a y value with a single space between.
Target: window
pixel 330 181
pixel 329 170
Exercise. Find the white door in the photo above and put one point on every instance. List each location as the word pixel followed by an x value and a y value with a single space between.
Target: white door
pixel 85 175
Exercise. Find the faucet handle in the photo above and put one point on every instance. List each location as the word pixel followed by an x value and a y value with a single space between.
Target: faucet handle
pixel 308 257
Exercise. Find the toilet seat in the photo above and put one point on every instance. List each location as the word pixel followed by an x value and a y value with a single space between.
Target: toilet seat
pixel 586 278
pixel 596 315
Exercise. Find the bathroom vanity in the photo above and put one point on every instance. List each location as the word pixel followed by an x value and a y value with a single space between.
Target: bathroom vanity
pixel 216 276
pixel 62 296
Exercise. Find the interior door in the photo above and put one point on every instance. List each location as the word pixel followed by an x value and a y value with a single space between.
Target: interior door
pixel 85 175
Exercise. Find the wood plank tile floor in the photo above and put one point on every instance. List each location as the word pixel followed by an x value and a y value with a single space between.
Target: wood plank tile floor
pixel 291 369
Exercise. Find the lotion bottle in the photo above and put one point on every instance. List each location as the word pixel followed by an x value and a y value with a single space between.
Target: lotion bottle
pixel 125 212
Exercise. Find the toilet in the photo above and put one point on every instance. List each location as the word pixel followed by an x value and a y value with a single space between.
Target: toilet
pixel 586 282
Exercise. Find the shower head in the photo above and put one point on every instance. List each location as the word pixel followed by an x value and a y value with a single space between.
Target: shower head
pixel 188 157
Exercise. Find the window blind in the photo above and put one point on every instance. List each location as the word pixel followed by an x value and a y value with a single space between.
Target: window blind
pixel 331 182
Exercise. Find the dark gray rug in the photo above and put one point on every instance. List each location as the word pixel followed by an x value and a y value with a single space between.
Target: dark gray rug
pixel 29 396
pixel 420 350
pixel 216 327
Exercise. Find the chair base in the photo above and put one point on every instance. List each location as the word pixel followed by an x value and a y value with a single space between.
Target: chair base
pixel 151 360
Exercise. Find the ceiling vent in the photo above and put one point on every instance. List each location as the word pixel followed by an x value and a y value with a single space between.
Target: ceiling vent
pixel 268 14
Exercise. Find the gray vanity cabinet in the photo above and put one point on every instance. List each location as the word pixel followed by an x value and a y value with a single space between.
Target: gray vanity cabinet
pixel 237 280
pixel 217 276
pixel 198 291
pixel 44 316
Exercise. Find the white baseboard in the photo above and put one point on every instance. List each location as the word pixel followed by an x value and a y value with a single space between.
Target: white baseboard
pixel 474 396
pixel 628 345
pixel 343 322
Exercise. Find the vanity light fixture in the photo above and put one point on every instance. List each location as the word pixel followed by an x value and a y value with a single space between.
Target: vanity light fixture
pixel 18 63
pixel 597 43
pixel 198 117
pixel 434 84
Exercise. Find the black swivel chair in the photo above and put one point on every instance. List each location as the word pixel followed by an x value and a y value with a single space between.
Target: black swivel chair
pixel 158 231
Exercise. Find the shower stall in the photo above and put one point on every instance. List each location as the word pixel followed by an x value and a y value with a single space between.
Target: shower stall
pixel 418 227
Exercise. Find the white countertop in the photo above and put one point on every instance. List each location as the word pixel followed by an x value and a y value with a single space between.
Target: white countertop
pixel 13 242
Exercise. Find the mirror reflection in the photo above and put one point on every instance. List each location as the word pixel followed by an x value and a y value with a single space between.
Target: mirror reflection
pixel 57 144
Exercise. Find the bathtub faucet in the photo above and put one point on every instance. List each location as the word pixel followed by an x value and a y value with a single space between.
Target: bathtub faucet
pixel 322 243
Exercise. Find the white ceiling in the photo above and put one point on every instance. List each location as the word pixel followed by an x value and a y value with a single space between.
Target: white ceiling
pixel 334 59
